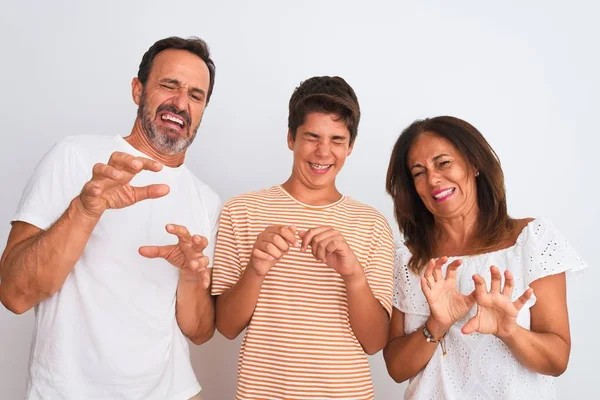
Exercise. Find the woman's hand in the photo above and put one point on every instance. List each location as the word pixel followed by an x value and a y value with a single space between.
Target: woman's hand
pixel 446 303
pixel 496 313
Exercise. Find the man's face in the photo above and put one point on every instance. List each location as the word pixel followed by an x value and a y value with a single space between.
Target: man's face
pixel 320 149
pixel 172 101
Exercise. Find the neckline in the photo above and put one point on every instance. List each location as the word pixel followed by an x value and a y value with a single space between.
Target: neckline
pixel 324 206
pixel 518 243
pixel 135 152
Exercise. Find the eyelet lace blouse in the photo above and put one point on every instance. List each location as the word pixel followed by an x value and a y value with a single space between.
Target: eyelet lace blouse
pixel 481 366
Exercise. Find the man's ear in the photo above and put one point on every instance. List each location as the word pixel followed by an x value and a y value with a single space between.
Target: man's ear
pixel 136 91
pixel 290 140
pixel 350 148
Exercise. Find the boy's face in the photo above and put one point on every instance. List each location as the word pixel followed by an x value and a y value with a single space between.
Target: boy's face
pixel 320 149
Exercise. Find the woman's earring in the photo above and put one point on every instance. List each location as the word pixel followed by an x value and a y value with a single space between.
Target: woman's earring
pixel 477 174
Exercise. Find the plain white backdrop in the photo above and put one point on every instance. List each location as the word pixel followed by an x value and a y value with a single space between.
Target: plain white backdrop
pixel 524 73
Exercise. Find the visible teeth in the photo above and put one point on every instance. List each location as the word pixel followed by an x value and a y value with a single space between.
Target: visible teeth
pixel 444 193
pixel 172 118
pixel 320 166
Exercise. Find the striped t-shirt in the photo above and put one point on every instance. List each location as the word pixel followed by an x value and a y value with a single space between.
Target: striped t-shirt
pixel 299 343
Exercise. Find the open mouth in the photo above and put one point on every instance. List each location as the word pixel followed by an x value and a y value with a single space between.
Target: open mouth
pixel 173 120
pixel 320 168
pixel 442 195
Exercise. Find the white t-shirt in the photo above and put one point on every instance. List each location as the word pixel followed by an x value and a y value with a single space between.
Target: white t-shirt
pixel 110 332
pixel 481 366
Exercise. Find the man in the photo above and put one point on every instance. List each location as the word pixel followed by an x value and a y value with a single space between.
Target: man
pixel 307 270
pixel 111 324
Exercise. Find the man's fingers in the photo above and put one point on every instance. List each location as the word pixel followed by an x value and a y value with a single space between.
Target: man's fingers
pixel 132 164
pixel 262 255
pixel 288 233
pixel 156 251
pixel 125 162
pixel 103 171
pixel 269 248
pixel 310 234
pixel 276 240
pixel 150 192
pixel 324 239
pixel 325 235
pixel 199 242
pixel 180 231
pixel 321 249
pixel 92 189
pixel 198 263
pixel 333 245
pixel 148 164
pixel 191 246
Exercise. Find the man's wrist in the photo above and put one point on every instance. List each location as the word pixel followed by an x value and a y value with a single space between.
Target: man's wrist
pixel 194 278
pixel 252 274
pixel 77 212
pixel 356 279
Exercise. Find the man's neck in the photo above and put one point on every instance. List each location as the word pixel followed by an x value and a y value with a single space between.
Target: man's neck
pixel 313 197
pixel 140 141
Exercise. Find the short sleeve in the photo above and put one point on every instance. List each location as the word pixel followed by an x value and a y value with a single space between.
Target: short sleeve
pixel 380 268
pixel 408 296
pixel 57 180
pixel 227 267
pixel 547 252
pixel 214 214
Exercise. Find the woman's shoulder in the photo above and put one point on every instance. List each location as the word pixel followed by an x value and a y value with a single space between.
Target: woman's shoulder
pixel 520 224
pixel 546 251
pixel 534 231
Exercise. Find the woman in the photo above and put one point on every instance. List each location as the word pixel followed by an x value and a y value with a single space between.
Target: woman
pixel 453 336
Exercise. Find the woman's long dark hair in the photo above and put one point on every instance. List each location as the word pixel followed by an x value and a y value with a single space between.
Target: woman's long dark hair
pixel 414 219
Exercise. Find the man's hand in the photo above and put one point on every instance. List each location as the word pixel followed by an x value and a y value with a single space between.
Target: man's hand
pixel 270 246
pixel 187 254
pixel 110 188
pixel 329 246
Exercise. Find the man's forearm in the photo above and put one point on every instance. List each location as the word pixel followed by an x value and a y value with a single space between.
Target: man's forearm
pixel 368 318
pixel 235 307
pixel 37 267
pixel 195 311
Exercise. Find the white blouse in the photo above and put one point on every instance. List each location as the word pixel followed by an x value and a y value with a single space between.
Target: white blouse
pixel 481 366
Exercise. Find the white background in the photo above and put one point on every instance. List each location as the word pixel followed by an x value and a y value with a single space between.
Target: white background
pixel 524 73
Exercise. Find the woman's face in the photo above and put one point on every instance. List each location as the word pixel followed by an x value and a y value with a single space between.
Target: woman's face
pixel 443 178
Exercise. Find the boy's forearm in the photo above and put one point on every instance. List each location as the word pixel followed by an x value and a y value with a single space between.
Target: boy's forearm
pixel 368 318
pixel 235 306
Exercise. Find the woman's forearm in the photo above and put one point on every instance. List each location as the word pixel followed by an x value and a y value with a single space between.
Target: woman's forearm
pixel 541 352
